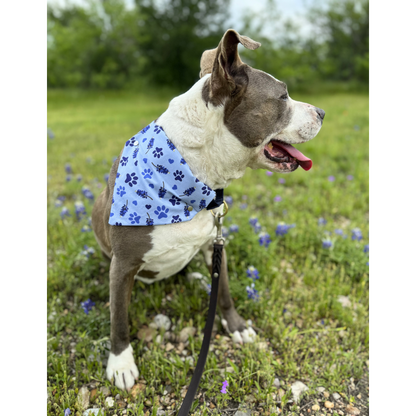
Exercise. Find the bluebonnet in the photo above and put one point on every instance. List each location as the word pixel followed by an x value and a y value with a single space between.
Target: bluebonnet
pixel 252 273
pixel 234 228
pixel 186 211
pixel 322 221
pixel 253 221
pixel 202 204
pixel 87 193
pixel 161 169
pixel 170 144
pixel 106 176
pixel 331 178
pixel 87 305
pixel 68 178
pixel 143 194
pixel 264 239
pixel 243 206
pixel 356 234
pixel 68 168
pixel 277 198
pixel 208 289
pixel 225 232
pixel 65 212
pixel 257 227
pixel 283 228
pixel 51 136
pixel 149 220
pixel 85 229
pixel 189 191
pixel 150 145
pixel 67 412
pixel 144 130
pixel 79 177
pixel 229 201
pixel 366 248
pixel 58 203
pixel 79 210
pixel 124 209
pixel 87 251
pixel 339 231
pixel 158 129
pixel 162 191
pixel 327 243
pixel 252 293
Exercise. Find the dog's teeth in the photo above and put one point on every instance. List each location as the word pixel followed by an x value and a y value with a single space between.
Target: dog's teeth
pixel 270 146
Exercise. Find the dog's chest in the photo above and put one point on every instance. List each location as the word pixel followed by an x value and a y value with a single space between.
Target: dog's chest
pixel 174 245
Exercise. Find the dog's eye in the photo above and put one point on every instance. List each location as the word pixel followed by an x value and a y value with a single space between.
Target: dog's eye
pixel 284 97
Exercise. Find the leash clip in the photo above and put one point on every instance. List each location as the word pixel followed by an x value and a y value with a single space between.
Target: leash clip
pixel 219 239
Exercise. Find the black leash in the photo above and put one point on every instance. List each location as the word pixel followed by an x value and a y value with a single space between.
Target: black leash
pixel 215 276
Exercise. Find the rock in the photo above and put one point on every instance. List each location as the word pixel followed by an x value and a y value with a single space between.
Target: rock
pixel 326 394
pixel 329 405
pixel 320 389
pixel 84 397
pixel 146 334
pixel 109 401
pixel 105 391
pixel 315 407
pixel 229 369
pixel 351 410
pixel 158 339
pixel 297 389
pixel 336 396
pixel 344 301
pixel 162 321
pixel 93 412
pixel 242 413
pixel 121 403
pixel 276 383
pixel 160 412
pixel 137 389
pixel 190 360
pixel 169 347
pixel 187 332
pixel 93 394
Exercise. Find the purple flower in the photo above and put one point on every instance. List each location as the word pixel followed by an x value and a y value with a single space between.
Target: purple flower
pixel 208 289
pixel 87 305
pixel 67 412
pixel 356 234
pixel 264 239
pixel 224 387
pixel 252 293
pixel 257 227
pixel 322 221
pixel 79 210
pixel 87 251
pixel 106 176
pixel 243 206
pixel 87 193
pixel 65 212
pixel 225 232
pixel 326 243
pixel 281 180
pixel 350 177
pixel 366 248
pixel 79 177
pixel 234 228
pixel 252 273
pixel 253 221
pixel 283 228
pixel 277 198
pixel 68 178
pixel 339 231
pixel 331 178
pixel 268 173
pixel 51 136
pixel 229 201
pixel 68 168
pixel 85 229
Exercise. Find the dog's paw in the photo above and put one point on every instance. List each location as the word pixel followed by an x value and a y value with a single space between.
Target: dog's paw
pixel 245 336
pixel 123 369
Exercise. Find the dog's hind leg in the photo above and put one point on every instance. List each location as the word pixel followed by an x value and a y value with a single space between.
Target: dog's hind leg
pixel 121 365
pixel 231 320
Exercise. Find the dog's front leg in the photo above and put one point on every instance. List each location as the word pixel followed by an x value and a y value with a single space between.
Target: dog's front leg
pixel 121 365
pixel 231 320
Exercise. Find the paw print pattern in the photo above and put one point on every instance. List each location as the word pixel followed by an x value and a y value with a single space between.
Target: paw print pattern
pixel 176 218
pixel 136 150
pixel 134 218
pixel 175 200
pixel 131 179
pixel 130 142
pixel 147 174
pixel 144 130
pixel 124 160
pixel 206 190
pixel 158 129
pixel 178 175
pixel 121 190
pixel 158 152
pixel 183 161
pixel 161 212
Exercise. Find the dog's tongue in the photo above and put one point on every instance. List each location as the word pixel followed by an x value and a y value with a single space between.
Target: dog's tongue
pixel 304 161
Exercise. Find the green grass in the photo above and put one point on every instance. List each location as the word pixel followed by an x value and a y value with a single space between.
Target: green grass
pixel 307 333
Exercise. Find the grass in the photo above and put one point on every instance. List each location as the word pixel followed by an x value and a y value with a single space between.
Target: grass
pixel 304 331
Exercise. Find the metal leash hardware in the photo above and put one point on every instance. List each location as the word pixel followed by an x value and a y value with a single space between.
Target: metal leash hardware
pixel 215 277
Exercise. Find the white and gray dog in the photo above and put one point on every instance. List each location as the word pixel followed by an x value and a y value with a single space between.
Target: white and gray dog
pixel 234 117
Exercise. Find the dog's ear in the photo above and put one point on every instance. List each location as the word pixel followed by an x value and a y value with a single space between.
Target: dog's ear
pixel 226 62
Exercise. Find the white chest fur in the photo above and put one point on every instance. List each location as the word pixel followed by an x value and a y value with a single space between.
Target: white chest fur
pixel 174 245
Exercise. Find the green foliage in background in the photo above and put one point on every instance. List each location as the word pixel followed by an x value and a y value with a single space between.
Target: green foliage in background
pixel 107 45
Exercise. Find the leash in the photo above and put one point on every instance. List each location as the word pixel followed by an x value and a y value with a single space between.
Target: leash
pixel 215 277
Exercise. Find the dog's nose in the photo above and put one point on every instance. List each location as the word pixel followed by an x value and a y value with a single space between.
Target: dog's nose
pixel 321 113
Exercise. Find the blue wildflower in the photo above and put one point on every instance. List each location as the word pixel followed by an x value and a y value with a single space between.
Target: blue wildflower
pixel 87 305
pixel 79 210
pixel 106 176
pixel 252 293
pixel 79 177
pixel 339 231
pixel 234 228
pixel 322 221
pixel 229 201
pixel 257 227
pixel 87 193
pixel 253 221
pixel 356 234
pixel 67 412
pixel 366 248
pixel 224 387
pixel 85 229
pixel 87 251
pixel 208 289
pixel 243 206
pixel 264 239
pixel 225 232
pixel 327 243
pixel 68 178
pixel 283 228
pixel 252 273
pixel 51 136
pixel 58 203
pixel 68 168
pixel 65 212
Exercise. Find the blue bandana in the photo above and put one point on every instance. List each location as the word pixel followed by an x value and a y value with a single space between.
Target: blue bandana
pixel 154 185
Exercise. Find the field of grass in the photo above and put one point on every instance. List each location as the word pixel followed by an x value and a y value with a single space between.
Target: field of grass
pixel 306 331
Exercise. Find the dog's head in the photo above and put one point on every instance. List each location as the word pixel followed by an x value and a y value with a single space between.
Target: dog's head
pixel 257 108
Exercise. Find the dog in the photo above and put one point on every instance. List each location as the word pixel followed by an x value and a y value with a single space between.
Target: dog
pixel 233 117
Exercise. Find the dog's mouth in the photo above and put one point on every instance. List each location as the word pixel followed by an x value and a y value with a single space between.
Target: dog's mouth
pixel 285 153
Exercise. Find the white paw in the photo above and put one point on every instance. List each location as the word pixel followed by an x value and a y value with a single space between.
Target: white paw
pixel 246 336
pixel 123 369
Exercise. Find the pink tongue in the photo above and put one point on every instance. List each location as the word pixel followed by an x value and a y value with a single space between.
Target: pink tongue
pixel 304 162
